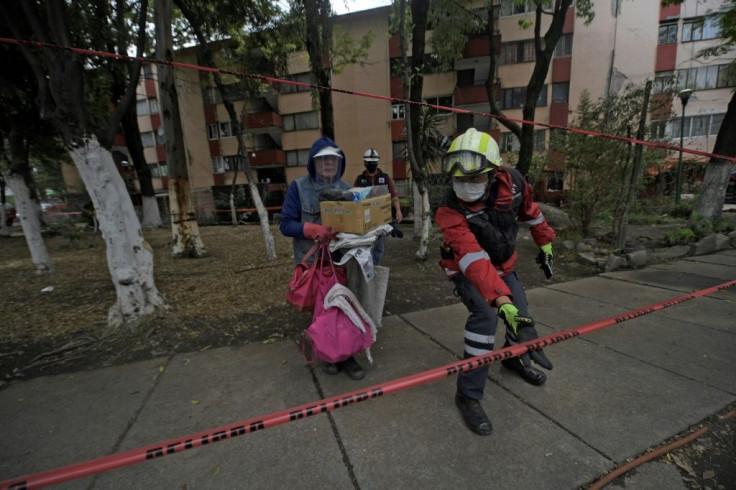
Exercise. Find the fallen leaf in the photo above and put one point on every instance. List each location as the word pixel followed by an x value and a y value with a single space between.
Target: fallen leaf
pixel 217 471
pixel 194 402
pixel 709 475
pixel 161 369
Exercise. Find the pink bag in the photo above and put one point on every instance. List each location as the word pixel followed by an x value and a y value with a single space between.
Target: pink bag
pixel 341 327
pixel 308 278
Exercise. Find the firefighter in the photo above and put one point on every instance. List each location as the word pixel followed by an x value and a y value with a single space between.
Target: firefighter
pixel 478 218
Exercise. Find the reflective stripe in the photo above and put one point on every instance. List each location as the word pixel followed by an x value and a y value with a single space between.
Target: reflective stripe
pixel 535 221
pixel 470 258
pixel 481 339
pixel 450 272
pixel 476 352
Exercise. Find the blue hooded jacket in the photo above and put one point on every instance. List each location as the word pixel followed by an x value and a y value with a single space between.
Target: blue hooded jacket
pixel 301 204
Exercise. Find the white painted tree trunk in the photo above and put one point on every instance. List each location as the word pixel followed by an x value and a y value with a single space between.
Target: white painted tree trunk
pixel 151 213
pixel 263 219
pixel 129 256
pixel 30 220
pixel 426 220
pixel 416 200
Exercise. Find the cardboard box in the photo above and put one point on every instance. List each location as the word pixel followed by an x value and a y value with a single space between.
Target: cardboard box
pixel 358 217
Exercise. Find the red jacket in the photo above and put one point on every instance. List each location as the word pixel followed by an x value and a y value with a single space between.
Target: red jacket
pixel 466 251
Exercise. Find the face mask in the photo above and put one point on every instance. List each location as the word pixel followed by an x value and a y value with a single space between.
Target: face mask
pixel 371 167
pixel 468 191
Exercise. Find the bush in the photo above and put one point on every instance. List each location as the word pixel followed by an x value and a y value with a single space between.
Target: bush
pixel 682 210
pixel 680 236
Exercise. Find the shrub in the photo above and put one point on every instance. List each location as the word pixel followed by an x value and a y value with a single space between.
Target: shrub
pixel 680 236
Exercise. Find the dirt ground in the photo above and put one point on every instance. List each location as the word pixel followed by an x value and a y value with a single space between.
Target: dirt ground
pixel 54 323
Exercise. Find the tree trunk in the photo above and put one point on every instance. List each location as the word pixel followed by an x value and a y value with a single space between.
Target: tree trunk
pixel 30 220
pixel 25 205
pixel 129 256
pixel 186 241
pixel 151 213
pixel 633 188
pixel 319 46
pixel 206 55
pixel 718 171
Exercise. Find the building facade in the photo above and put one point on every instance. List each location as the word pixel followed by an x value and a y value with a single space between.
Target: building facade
pixel 627 42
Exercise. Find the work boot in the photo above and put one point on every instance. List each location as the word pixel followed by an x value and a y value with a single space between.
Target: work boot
pixel 330 368
pixel 473 415
pixel 352 368
pixel 529 374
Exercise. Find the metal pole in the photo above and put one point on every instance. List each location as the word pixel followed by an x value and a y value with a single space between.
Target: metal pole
pixel 679 163
pixel 684 97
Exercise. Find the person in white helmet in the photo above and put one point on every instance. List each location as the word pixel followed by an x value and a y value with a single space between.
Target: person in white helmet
pixel 478 218
pixel 372 175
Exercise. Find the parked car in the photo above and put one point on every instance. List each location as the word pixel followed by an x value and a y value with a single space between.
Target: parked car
pixel 10 214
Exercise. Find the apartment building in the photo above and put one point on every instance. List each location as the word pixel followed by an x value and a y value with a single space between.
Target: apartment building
pixel 627 42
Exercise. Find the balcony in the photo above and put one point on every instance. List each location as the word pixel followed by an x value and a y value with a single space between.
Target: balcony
pixel 261 158
pixel 264 121
pixel 470 95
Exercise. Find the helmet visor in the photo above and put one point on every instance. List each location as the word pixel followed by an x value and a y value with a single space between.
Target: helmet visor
pixel 466 161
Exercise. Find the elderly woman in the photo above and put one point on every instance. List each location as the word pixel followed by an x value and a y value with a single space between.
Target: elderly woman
pixel 301 219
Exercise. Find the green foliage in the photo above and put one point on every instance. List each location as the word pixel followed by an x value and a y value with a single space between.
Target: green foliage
pixel 598 169
pixel 701 225
pixel 682 210
pixel 680 236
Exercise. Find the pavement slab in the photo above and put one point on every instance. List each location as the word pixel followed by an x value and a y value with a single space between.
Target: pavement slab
pixel 55 421
pixel 220 387
pixel 417 438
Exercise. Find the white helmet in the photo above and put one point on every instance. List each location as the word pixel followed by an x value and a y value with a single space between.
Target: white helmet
pixel 371 155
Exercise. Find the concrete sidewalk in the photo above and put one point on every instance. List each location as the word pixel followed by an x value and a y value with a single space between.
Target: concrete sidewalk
pixel 612 394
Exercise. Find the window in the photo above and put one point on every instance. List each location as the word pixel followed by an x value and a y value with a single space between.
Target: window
pixel 658 130
pixel 147 139
pixel 663 81
pixel 211 96
pixel 555 181
pixel 212 132
pixel 700 28
pixel 564 46
pixel 704 77
pixel 695 126
pixel 668 33
pixel 511 7
pixel 226 164
pixel 477 121
pixel 147 71
pixel 295 158
pixel 141 107
pixel 153 104
pixel 287 88
pixel 514 98
pixel 443 100
pixel 397 111
pixel 560 92
pixel 398 150
pixel 509 141
pixel 226 130
pixel 163 169
pixel 518 52
pixel 539 139
pixel 160 136
pixel 466 78
pixel 154 170
pixel 301 121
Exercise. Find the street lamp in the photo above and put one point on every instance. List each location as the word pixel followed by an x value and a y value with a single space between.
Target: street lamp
pixel 684 97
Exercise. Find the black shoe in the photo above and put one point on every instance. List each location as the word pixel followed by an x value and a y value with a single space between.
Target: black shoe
pixel 330 368
pixel 473 415
pixel 352 368
pixel 529 374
